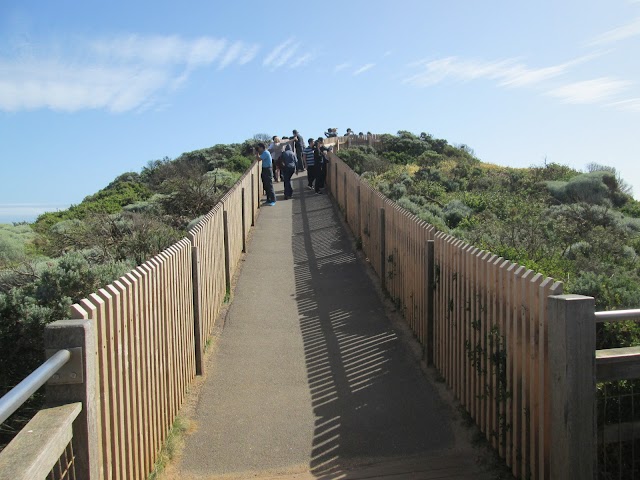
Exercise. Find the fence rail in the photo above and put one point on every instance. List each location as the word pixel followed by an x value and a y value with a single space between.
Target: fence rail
pixel 143 338
pixel 482 318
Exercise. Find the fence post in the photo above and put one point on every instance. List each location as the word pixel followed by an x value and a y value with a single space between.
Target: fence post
pixel 572 344
pixel 258 190
pixel 227 252
pixel 429 283
pixel 78 384
pixel 244 226
pixel 344 190
pixel 383 257
pixel 197 309
pixel 253 201
pixel 359 231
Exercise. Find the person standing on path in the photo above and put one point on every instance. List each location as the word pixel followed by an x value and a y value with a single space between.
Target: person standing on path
pixel 298 143
pixel 321 161
pixel 309 158
pixel 267 173
pixel 289 165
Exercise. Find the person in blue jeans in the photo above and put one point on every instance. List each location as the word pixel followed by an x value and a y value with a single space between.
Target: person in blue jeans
pixel 290 166
pixel 267 173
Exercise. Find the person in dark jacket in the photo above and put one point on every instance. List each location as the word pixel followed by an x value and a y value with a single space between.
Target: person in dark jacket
pixel 310 161
pixel 321 160
pixel 298 143
pixel 289 163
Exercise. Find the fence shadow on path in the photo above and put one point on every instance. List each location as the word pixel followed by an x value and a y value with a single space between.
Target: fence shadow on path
pixel 370 400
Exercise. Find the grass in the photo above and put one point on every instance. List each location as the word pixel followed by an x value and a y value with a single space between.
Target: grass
pixel 491 461
pixel 170 447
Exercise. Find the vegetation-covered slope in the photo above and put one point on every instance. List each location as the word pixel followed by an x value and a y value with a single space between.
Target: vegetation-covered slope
pixel 64 256
pixel 579 227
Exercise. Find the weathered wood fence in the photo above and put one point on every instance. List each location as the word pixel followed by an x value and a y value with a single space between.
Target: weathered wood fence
pixel 482 319
pixel 150 329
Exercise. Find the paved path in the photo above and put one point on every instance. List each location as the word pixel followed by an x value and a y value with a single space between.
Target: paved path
pixel 309 378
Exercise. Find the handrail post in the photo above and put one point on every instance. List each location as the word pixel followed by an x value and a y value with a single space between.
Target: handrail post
pixel 383 258
pixel 197 310
pixel 429 317
pixel 253 201
pixel 359 225
pixel 244 225
pixel 572 344
pixel 227 251
pixel 73 334
pixel 346 214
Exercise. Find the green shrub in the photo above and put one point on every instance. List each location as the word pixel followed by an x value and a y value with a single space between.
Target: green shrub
pixel 238 163
pixel 15 242
pixel 454 212
pixel 37 294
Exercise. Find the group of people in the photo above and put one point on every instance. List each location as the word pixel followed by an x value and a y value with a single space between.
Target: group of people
pixel 288 156
pixel 333 132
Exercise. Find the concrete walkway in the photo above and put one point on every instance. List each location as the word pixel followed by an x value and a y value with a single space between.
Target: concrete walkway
pixel 309 378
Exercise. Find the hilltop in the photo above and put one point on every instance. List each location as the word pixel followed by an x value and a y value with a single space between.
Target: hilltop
pixel 581 227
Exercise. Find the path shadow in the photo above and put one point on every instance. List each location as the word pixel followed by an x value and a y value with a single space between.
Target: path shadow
pixel 369 398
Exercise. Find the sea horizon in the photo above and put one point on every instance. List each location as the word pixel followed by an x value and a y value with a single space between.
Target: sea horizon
pixel 26 212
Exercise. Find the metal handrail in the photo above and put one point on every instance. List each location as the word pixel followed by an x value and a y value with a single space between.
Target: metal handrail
pixel 617 315
pixel 19 394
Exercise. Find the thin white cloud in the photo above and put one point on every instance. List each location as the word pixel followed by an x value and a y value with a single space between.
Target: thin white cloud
pixel 127 72
pixel 249 54
pixel 232 54
pixel 58 86
pixel 590 91
pixel 301 60
pixel 618 34
pixel 632 104
pixel 507 72
pixel 364 68
pixel 341 67
pixel 284 49
pixel 159 50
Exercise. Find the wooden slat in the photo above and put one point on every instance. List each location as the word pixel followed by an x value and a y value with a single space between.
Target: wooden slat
pixel 516 371
pixel 533 374
pixel 502 373
pixel 132 361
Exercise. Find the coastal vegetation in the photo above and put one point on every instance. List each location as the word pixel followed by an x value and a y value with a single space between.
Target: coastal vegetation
pixel 64 256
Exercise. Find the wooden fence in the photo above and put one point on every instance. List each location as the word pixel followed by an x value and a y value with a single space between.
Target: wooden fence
pixel 482 319
pixel 151 328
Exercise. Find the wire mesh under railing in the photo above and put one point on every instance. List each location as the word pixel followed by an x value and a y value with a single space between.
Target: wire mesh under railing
pixel 618 421
pixel 65 468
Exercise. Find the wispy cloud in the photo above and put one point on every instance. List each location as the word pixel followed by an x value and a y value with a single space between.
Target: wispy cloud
pixel 618 34
pixel 364 68
pixel 249 54
pixel 632 104
pixel 126 72
pixel 301 60
pixel 341 67
pixel 590 91
pixel 281 54
pixel 232 54
pixel 507 72
pixel 159 50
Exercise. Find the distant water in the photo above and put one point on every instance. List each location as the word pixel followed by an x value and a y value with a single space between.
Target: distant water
pixel 14 219
pixel 25 212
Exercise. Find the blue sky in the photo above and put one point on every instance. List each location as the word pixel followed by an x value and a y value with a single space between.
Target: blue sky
pixel 90 90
